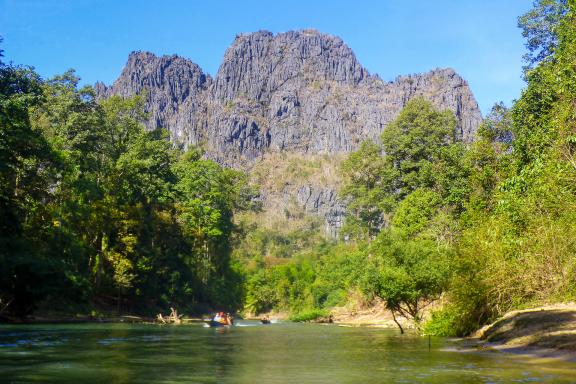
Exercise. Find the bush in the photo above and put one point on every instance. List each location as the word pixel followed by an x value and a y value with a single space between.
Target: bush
pixel 451 320
pixel 309 315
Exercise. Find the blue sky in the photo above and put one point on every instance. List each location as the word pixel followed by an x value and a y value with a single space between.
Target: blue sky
pixel 479 39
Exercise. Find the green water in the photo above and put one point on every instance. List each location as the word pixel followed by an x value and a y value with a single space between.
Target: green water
pixel 277 353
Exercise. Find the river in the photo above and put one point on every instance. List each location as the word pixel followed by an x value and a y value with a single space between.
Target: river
pixel 252 353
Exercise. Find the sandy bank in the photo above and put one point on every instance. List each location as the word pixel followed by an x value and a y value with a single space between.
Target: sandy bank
pixel 374 315
pixel 541 332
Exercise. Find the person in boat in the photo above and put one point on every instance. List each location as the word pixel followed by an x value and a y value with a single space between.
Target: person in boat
pixel 219 317
pixel 223 318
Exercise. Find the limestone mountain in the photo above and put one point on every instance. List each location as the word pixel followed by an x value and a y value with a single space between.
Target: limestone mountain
pixel 299 92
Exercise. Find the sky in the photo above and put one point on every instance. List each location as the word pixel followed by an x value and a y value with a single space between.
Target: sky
pixel 479 39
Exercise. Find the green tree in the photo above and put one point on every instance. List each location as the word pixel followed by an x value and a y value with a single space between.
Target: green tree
pixel 415 212
pixel 208 196
pixel 369 182
pixel 539 28
pixel 409 274
pixel 418 150
pixel 95 209
pixel 28 172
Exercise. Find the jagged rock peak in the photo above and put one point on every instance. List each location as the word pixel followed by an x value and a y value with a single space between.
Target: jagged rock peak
pixel 175 88
pixel 146 70
pixel 257 64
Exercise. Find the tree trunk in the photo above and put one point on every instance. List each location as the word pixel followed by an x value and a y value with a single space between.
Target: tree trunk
pixel 397 323
pixel 118 300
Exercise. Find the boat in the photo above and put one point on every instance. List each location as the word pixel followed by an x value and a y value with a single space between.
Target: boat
pixel 265 321
pixel 214 323
pixel 221 319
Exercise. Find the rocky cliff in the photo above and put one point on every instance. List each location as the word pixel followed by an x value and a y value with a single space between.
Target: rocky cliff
pixel 299 92
pixel 175 90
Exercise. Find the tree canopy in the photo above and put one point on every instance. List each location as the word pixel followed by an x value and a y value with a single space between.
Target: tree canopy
pixel 99 212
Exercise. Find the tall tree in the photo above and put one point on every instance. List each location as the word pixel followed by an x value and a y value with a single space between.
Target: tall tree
pixel 28 168
pixel 539 27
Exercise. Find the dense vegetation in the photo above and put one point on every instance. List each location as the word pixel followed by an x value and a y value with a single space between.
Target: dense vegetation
pixel 97 212
pixel 486 227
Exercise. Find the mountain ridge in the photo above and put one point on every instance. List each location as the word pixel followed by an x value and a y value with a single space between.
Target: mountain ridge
pixel 300 92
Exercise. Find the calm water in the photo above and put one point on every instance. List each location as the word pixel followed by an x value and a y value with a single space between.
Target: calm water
pixel 250 353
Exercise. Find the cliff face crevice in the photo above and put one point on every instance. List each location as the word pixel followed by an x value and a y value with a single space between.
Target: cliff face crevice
pixel 322 201
pixel 299 92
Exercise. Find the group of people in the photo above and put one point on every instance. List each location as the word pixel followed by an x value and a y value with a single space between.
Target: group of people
pixel 223 318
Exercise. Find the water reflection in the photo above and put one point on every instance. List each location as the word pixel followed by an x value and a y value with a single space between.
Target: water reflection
pixel 279 353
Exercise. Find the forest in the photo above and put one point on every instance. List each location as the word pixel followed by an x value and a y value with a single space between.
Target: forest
pixel 99 214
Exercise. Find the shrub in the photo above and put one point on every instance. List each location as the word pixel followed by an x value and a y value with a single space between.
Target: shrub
pixel 309 315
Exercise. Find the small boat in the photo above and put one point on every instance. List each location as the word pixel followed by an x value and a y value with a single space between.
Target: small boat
pixel 214 323
pixel 265 321
pixel 221 319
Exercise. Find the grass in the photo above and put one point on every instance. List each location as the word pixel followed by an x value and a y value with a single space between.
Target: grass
pixel 276 170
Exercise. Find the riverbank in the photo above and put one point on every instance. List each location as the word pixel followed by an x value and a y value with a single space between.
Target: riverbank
pixel 71 319
pixel 541 332
pixel 66 318
pixel 375 315
pixel 545 332
pixel 353 314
